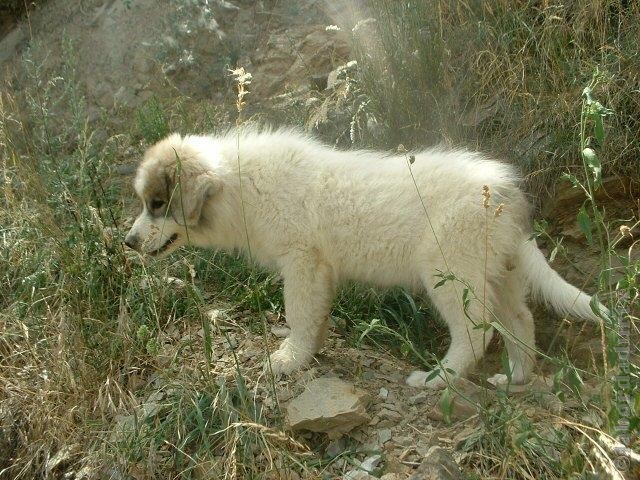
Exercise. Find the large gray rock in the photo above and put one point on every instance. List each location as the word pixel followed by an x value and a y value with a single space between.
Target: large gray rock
pixel 328 405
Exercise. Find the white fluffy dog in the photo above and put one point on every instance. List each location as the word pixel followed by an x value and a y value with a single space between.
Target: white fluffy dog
pixel 321 216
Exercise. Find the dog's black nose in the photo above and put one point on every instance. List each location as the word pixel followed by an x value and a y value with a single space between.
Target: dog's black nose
pixel 131 241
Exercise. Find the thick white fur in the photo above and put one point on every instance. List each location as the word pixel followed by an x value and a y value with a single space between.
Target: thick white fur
pixel 321 216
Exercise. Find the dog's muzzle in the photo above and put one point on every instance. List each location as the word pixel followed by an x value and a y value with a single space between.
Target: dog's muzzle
pixel 166 245
pixel 132 241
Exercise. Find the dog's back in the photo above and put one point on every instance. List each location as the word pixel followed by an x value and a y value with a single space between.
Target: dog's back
pixel 376 216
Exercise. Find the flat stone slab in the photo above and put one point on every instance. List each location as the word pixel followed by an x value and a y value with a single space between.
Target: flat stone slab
pixel 328 405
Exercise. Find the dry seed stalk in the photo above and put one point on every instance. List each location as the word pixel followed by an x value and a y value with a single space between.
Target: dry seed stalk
pixel 243 78
pixel 487 196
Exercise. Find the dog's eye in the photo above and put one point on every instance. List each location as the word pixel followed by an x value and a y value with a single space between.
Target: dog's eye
pixel 156 204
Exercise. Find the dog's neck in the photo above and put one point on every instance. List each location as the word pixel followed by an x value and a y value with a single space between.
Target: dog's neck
pixel 227 217
pixel 224 222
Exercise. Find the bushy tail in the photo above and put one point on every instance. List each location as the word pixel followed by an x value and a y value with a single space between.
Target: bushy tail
pixel 546 284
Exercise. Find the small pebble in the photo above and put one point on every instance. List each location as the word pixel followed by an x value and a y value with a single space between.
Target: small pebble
pixel 384 435
pixel 280 331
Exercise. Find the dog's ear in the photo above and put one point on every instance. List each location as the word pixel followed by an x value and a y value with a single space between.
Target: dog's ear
pixel 188 192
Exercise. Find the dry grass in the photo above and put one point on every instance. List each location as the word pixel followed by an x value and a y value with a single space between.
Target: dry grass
pixel 106 370
pixel 501 76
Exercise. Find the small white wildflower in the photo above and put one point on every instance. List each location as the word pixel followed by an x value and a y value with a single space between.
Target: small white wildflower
pixel 332 28
pixel 187 59
pixel 185 29
pixel 241 75
pixel 351 64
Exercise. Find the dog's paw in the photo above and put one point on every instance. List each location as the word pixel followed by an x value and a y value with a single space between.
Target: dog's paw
pixel 498 380
pixel 287 359
pixel 418 378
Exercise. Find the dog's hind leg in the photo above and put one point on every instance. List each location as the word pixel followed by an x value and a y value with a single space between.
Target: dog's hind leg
pixel 468 337
pixel 516 317
pixel 309 288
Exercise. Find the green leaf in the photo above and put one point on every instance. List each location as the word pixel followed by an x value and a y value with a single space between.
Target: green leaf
pixel 596 307
pixel 372 326
pixel 446 405
pixel 143 333
pixel 440 283
pixel 522 437
pixel 593 163
pixel 445 278
pixel 412 303
pixel 574 381
pixel 152 346
pixel 584 222
pixel 540 227
pixel 506 367
pixel 466 299
pixel 570 178
pixel 484 326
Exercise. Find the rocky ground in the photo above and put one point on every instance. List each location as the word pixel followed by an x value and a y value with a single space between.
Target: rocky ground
pixel 351 407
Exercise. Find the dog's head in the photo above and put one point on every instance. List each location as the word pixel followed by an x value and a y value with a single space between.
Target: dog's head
pixel 173 184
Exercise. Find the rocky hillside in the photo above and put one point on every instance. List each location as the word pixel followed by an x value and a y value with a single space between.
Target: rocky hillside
pixel 126 52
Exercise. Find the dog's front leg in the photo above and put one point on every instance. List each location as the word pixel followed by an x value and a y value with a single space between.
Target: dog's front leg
pixel 309 287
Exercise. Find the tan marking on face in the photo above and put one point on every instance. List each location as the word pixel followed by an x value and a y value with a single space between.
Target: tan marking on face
pixel 155 173
pixel 156 187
